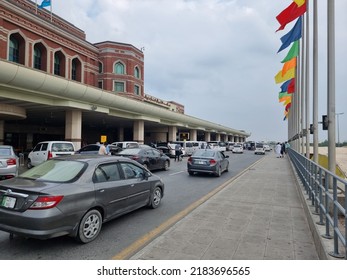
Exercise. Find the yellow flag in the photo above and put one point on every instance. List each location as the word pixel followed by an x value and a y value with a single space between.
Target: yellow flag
pixel 288 65
pixel 289 100
pixel 289 75
pixel 299 2
pixel 285 99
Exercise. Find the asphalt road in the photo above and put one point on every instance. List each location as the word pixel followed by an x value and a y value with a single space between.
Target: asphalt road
pixel 120 234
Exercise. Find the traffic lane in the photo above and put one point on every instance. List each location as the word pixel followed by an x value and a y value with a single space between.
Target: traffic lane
pixel 181 191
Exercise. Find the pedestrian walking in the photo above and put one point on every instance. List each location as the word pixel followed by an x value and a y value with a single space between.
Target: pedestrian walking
pixel 103 149
pixel 278 150
pixel 177 152
pixel 283 150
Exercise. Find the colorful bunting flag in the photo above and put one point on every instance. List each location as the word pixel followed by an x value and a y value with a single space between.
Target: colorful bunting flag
pixel 291 86
pixel 284 86
pixel 292 12
pixel 45 3
pixel 300 2
pixel 289 75
pixel 293 52
pixel 288 65
pixel 293 35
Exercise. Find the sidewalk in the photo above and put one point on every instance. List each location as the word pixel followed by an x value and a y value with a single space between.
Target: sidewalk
pixel 258 216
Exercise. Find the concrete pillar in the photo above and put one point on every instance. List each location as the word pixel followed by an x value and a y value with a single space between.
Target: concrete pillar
pixel 193 135
pixel 73 127
pixel 172 133
pixel 207 136
pixel 217 137
pixel 139 131
pixel 120 134
pixel 2 133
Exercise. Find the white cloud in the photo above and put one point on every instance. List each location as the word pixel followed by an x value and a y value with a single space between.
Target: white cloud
pixel 218 58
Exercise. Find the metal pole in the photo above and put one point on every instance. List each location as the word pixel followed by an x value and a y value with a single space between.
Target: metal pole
pixel 331 87
pixel 315 81
pixel 307 80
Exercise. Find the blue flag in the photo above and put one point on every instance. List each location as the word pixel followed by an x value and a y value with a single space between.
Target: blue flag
pixel 45 3
pixel 284 86
pixel 293 35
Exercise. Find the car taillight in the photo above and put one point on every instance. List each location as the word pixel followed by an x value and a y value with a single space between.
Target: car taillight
pixel 11 161
pixel 46 202
pixel 49 155
pixel 135 157
pixel 212 162
pixel 190 159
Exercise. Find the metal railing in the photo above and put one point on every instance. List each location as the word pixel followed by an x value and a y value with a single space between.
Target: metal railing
pixel 327 193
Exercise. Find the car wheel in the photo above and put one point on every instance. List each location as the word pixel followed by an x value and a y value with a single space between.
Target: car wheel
pixel 166 165
pixel 29 165
pixel 89 227
pixel 227 168
pixel 219 171
pixel 155 198
pixel 190 173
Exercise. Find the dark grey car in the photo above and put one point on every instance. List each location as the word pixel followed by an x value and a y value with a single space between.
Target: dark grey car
pixel 74 195
pixel 209 161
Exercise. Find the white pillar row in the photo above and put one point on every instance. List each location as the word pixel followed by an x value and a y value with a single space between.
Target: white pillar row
pixel 172 133
pixel 217 137
pixel 193 135
pixel 73 127
pixel 139 131
pixel 207 136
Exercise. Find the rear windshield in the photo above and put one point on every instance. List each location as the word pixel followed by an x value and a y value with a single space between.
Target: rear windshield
pixel 134 151
pixel 5 151
pixel 204 153
pixel 56 171
pixel 62 147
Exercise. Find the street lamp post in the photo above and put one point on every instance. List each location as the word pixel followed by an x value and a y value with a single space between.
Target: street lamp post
pixel 338 128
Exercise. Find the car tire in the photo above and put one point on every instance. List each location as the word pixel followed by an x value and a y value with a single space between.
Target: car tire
pixel 155 198
pixel 29 165
pixel 191 173
pixel 166 165
pixel 219 171
pixel 89 227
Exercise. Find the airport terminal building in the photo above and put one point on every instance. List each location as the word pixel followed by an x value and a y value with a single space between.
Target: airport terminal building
pixel 55 85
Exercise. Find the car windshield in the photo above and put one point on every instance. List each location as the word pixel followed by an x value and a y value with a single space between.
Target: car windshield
pixel 5 151
pixel 204 153
pixel 259 146
pixel 55 171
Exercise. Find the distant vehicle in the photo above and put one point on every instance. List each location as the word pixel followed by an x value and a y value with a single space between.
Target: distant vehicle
pixel 49 149
pixel 75 195
pixel 218 145
pixel 259 149
pixel 93 149
pixel 237 149
pixel 267 148
pixel 126 144
pixel 9 162
pixel 209 161
pixel 167 150
pixel 150 158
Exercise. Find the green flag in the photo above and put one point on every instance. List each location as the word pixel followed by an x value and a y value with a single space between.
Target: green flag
pixel 293 52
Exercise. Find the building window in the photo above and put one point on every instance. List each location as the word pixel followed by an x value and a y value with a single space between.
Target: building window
pixel 73 70
pixel 100 84
pixel 100 67
pixel 37 58
pixel 137 72
pixel 14 50
pixel 119 87
pixel 137 90
pixel 119 68
pixel 56 64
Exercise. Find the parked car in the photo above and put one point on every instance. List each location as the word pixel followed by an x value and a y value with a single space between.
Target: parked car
pixel 209 161
pixel 167 150
pixel 267 148
pixel 150 158
pixel 9 162
pixel 93 149
pixel 237 148
pixel 126 144
pixel 49 149
pixel 75 195
pixel 259 149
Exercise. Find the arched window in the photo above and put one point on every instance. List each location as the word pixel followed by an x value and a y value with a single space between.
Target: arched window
pixel 14 50
pixel 56 64
pixel 59 64
pixel 37 58
pixel 76 70
pixel 119 68
pixel 137 72
pixel 100 67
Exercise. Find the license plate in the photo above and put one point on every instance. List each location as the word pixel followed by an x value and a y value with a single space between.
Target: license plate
pixel 8 202
pixel 199 162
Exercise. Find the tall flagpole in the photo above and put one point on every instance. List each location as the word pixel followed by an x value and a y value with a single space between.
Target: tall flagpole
pixel 315 82
pixel 35 6
pixel 51 10
pixel 331 87
pixel 307 80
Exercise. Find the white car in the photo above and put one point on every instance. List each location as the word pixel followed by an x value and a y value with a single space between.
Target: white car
pixel 237 149
pixel 259 149
pixel 49 149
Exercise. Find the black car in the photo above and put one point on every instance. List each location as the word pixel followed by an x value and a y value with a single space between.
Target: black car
pixel 149 157
pixel 93 149
pixel 209 161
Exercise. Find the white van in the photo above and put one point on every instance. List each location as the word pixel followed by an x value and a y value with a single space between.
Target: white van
pixel 126 144
pixel 49 149
pixel 218 145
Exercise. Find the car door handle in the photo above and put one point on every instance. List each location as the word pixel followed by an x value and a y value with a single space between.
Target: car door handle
pixel 101 190
pixel 132 185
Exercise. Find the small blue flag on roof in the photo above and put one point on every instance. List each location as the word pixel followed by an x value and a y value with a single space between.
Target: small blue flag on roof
pixel 45 3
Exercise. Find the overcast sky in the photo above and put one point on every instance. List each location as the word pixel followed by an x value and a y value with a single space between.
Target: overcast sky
pixel 216 57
